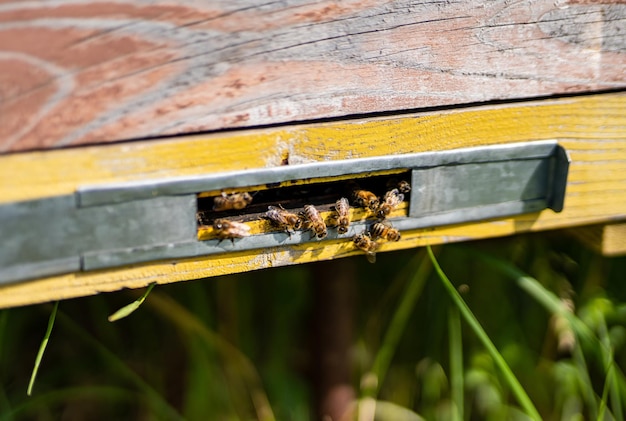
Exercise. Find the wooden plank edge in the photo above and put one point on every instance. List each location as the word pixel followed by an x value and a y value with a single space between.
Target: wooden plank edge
pixel 60 172
pixel 606 239
pixel 163 272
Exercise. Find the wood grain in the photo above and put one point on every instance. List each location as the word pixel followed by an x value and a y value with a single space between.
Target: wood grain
pixel 591 128
pixel 606 239
pixel 84 72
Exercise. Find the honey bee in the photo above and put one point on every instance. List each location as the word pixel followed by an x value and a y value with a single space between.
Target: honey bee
pixel 226 229
pixel 364 198
pixel 313 221
pixel 402 186
pixel 391 199
pixel 342 219
pixel 200 217
pixel 283 219
pixel 231 201
pixel 385 231
pixel 364 242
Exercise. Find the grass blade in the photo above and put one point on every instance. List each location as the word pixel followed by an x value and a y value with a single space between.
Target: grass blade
pixel 42 348
pixel 611 383
pixel 157 402
pixel 546 298
pixel 588 392
pixel 234 358
pixel 128 309
pixel 473 323
pixel 552 303
pixel 399 321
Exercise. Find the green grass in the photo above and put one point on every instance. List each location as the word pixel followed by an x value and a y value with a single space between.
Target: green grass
pixel 531 327
pixel 128 309
pixel 510 379
pixel 42 349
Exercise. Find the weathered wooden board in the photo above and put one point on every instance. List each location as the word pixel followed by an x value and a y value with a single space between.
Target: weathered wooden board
pixel 590 123
pixel 591 128
pixel 606 239
pixel 76 72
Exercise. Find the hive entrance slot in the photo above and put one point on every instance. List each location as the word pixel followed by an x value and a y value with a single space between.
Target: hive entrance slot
pixel 295 195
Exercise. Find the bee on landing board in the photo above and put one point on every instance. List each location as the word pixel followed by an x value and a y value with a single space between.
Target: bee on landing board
pixel 364 242
pixel 229 230
pixel 231 201
pixel 363 198
pixel 390 201
pixel 342 215
pixel 386 231
pixel 283 219
pixel 404 187
pixel 313 221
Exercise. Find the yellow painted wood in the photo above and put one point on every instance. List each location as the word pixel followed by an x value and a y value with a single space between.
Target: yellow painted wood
pixel 164 272
pixel 591 128
pixel 262 225
pixel 606 239
pixel 614 240
pixel 579 122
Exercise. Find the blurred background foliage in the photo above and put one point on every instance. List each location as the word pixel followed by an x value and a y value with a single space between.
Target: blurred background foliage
pixel 248 346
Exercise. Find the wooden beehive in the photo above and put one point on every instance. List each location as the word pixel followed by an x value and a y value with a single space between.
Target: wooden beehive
pixel 130 93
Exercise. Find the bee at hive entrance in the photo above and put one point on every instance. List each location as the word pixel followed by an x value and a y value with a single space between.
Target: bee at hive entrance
pixel 299 205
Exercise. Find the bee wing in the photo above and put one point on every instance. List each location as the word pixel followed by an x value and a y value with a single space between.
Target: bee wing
pixel 391 193
pixel 386 223
pixel 245 228
pixel 394 196
pixel 237 229
pixel 342 205
pixel 244 233
pixel 220 203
